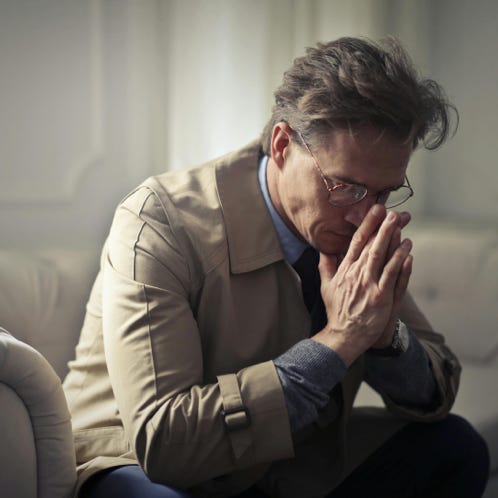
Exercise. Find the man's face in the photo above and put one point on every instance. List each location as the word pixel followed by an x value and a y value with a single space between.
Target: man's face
pixel 365 156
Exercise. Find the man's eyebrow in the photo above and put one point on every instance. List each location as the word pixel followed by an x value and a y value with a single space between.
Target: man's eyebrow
pixel 347 179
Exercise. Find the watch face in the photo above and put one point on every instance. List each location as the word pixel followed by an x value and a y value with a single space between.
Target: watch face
pixel 402 339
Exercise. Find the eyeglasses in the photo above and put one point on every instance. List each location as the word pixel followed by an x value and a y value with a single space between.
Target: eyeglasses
pixel 343 194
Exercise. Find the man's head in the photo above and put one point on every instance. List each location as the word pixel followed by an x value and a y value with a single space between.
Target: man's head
pixel 345 123
pixel 353 82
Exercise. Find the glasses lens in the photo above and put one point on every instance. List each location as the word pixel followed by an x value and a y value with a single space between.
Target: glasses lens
pixel 397 197
pixel 345 194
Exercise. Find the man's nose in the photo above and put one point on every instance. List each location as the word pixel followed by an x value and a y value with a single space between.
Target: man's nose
pixel 357 212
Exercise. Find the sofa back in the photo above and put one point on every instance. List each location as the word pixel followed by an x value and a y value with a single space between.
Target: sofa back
pixel 43 296
pixel 455 282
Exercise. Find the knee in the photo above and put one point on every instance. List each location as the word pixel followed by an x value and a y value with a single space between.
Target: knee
pixel 459 430
pixel 463 441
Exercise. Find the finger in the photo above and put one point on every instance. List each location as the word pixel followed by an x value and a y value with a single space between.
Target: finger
pixel 403 279
pixel 379 251
pixel 368 227
pixel 404 218
pixel 395 242
pixel 392 270
pixel 327 266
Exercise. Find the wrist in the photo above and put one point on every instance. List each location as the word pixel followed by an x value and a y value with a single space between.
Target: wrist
pixel 399 343
pixel 347 350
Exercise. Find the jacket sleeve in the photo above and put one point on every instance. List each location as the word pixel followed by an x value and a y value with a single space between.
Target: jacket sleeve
pixel 444 367
pixel 183 431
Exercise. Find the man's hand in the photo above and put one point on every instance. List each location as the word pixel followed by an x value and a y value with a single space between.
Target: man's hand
pixel 363 293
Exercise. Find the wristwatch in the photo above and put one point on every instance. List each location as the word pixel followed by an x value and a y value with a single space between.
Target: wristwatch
pixel 401 341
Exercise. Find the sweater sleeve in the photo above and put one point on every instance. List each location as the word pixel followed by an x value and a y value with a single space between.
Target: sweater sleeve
pixel 308 372
pixel 406 379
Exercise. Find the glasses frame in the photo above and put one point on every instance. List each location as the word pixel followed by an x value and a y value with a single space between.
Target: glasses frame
pixel 378 195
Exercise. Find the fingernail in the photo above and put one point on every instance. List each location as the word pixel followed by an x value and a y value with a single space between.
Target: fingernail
pixel 406 243
pixel 391 216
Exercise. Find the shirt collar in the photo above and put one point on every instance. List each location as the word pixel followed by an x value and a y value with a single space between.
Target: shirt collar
pixel 291 245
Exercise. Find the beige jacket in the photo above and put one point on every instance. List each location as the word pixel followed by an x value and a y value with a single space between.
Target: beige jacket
pixel 174 365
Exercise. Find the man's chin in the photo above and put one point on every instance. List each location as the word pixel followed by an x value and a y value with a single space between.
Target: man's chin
pixel 334 247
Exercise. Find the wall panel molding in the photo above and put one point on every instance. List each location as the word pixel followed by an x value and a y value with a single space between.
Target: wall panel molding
pixel 52 101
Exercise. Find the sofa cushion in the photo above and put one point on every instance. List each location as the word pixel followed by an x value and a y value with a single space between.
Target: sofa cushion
pixel 43 297
pixel 455 283
pixel 28 294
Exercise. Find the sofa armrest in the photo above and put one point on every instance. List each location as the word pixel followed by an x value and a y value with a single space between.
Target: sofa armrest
pixel 17 451
pixel 35 397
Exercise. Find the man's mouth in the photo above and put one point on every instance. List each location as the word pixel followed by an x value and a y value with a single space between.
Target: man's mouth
pixel 348 236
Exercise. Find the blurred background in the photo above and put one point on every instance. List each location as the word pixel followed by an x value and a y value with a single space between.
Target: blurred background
pixel 96 95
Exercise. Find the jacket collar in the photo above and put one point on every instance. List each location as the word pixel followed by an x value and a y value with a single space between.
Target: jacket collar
pixel 252 240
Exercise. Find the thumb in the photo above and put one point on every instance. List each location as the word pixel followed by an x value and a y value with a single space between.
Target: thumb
pixel 328 266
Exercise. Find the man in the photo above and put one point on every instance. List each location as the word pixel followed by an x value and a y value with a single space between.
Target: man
pixel 215 360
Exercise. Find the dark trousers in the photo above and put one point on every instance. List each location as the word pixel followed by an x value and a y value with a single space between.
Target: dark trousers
pixel 446 459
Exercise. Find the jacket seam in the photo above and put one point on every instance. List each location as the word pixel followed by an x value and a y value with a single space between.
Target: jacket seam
pixel 153 363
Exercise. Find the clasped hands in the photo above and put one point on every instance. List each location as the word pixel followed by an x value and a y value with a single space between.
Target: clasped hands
pixel 362 293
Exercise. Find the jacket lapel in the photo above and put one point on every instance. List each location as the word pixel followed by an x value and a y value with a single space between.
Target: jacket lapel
pixel 252 239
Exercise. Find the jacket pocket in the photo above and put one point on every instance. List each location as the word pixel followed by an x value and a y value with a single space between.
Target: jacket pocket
pixel 101 441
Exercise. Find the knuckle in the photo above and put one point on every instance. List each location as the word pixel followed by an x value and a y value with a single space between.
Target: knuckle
pixel 359 238
pixel 391 271
pixel 377 298
pixel 374 254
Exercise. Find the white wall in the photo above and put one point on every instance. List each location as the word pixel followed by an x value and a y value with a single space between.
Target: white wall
pixel 464 174
pixel 95 95
pixel 64 120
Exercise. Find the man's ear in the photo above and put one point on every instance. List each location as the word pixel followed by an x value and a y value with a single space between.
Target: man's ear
pixel 280 139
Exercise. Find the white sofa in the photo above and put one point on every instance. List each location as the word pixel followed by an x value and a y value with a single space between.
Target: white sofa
pixel 42 301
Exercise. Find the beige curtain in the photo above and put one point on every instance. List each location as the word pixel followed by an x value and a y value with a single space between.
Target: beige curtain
pixel 213 65
pixel 225 58
pixel 99 94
